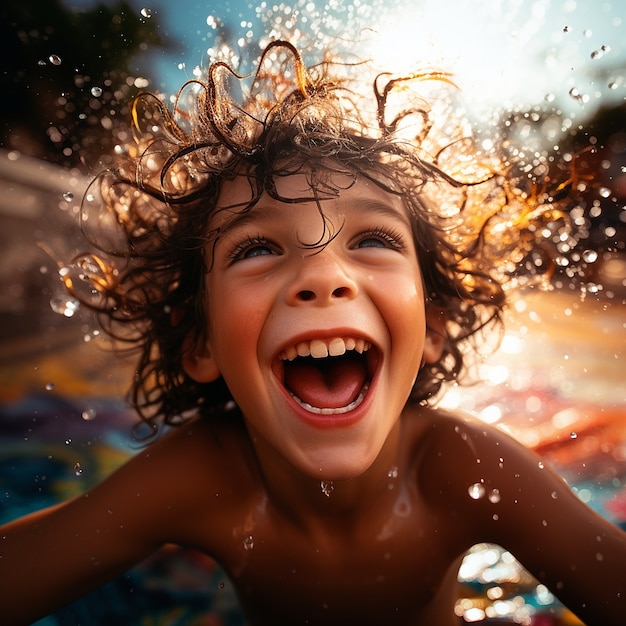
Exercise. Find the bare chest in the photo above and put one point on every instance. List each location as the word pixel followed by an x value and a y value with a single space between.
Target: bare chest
pixel 403 573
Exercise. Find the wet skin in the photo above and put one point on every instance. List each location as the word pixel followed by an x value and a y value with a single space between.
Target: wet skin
pixel 384 546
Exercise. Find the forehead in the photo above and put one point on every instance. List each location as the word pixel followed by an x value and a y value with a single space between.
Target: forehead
pixel 330 193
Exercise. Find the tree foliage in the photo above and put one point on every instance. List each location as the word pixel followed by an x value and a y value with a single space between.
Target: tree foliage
pixel 67 76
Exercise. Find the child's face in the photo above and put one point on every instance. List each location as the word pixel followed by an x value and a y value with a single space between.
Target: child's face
pixel 270 298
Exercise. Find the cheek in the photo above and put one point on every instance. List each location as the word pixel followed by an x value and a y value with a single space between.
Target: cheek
pixel 406 320
pixel 236 319
pixel 405 304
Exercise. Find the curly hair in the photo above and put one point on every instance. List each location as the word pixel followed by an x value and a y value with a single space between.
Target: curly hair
pixel 149 217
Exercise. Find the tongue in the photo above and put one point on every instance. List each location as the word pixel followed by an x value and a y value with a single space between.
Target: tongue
pixel 326 383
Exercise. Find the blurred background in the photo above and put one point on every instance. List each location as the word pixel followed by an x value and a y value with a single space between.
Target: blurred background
pixel 549 75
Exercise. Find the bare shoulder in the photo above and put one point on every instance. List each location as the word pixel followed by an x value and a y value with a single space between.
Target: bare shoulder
pixel 493 489
pixel 479 473
pixel 198 469
pixel 476 463
pixel 180 489
pixel 202 449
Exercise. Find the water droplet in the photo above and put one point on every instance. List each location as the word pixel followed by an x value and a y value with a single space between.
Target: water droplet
pixel 96 92
pixel 573 435
pixel 147 13
pixel 327 487
pixel 68 441
pixel 78 470
pixel 590 256
pixel 476 491
pixel 248 543
pixel 88 414
pixel 494 496
pixel 55 59
pixel 576 95
pixel 600 556
pixel 393 472
pixel 540 465
pixel 49 386
pixel 68 196
pixel 64 306
pixel 554 495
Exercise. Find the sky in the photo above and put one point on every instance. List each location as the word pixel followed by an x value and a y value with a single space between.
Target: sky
pixel 503 53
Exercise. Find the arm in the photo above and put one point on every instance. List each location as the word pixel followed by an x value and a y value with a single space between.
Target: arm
pixel 54 556
pixel 50 558
pixel 575 552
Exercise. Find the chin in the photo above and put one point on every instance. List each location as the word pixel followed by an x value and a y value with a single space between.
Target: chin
pixel 339 466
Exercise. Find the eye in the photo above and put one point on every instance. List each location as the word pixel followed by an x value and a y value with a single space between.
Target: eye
pixel 252 247
pixel 381 238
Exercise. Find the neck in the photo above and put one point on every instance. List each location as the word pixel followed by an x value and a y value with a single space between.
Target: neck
pixel 305 498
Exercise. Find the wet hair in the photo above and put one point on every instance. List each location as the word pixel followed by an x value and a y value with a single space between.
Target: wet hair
pixel 150 217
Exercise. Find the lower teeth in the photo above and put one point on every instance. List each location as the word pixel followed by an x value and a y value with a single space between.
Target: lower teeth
pixel 338 411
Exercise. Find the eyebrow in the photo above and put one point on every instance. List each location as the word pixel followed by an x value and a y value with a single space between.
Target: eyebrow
pixel 365 206
pixel 235 218
pixel 371 206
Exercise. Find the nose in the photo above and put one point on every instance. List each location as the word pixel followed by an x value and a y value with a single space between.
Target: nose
pixel 321 278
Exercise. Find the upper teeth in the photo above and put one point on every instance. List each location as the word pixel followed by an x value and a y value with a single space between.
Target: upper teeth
pixel 321 348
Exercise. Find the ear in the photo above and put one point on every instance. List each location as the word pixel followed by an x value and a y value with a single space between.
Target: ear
pixel 199 362
pixel 436 334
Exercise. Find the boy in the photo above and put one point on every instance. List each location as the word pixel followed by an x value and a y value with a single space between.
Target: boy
pixel 296 301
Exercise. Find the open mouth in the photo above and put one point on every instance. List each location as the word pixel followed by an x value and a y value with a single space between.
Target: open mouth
pixel 328 376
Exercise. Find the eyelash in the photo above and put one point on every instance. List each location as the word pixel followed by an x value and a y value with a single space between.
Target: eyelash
pixel 247 244
pixel 391 237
